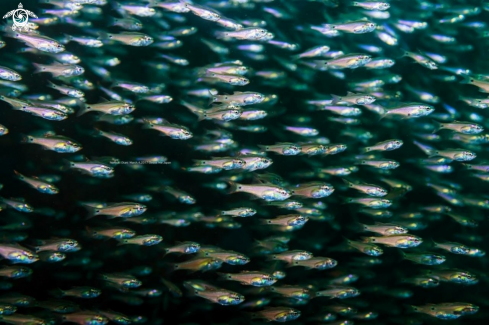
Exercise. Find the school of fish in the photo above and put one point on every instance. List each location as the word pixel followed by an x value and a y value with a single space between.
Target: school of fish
pixel 244 161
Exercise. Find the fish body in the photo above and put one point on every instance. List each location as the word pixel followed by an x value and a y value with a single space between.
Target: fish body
pixel 317 263
pixel 263 191
pixel 368 189
pixel 338 292
pixel 118 210
pixel 313 190
pixel 277 314
pixel 36 183
pixel 256 279
pixel 425 258
pixel 399 241
pixel 446 311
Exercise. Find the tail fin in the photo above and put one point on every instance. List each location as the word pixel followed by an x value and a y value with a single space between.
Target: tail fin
pixel 58 293
pixel 438 126
pixel 366 149
pixel 435 244
pixel 467 79
pixel 92 211
pixel 336 99
pixel 67 164
pixel 27 139
pixel 327 26
pixel 360 227
pixel 234 187
pixel 97 132
pixel 52 85
pixel 412 309
pixel 39 67
pixel 19 175
pixel 83 109
pixel 221 35
pixel 432 153
pixel 122 242
pixel 224 276
pixel 113 21
pixel 367 240
pixel 346 200
pixel 104 36
pixel 212 98
pixel 295 57
pixel 403 255
pixel 201 115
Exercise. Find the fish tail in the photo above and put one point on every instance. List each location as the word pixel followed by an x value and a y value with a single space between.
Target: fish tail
pixel 121 242
pixel 366 149
pixel 104 36
pixel 57 293
pixel 360 227
pixel 383 114
pixel 92 212
pixel 97 132
pixel 201 115
pixel 295 57
pixel 27 138
pixel 411 308
pixel 148 126
pixel 405 53
pixel 166 251
pixel 83 109
pixel 224 276
pixel 432 153
pixel 212 98
pixel 39 68
pixel 265 221
pixel 89 231
pixel 347 182
pixel 327 26
pixel 172 267
pixel 19 175
pixel 336 99
pixel 52 84
pixel 113 21
pixel 67 164
pixel 435 244
pixel 438 126
pixel 467 79
pixel 234 187
pixel 346 200
pixel 403 255
pixel 221 35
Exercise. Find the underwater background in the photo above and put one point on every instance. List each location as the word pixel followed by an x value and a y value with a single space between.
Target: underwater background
pixel 315 162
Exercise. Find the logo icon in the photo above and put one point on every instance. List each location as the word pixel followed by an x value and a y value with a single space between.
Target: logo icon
pixel 20 17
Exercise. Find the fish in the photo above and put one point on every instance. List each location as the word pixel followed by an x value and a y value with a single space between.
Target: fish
pixel 277 314
pixel 36 183
pixel 117 210
pixel 257 279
